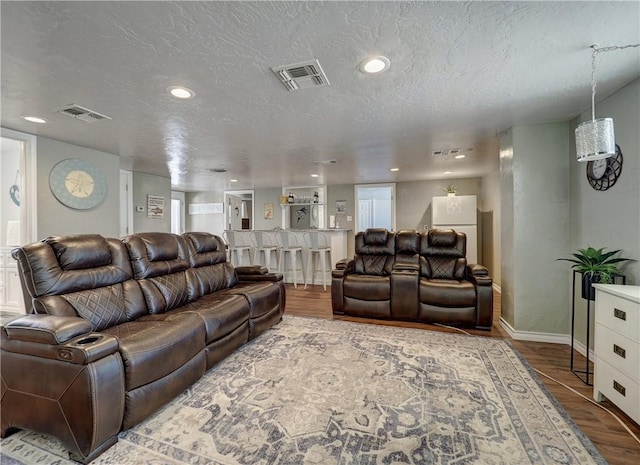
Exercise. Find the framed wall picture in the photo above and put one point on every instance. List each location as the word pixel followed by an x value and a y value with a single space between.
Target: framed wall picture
pixel 268 211
pixel 155 206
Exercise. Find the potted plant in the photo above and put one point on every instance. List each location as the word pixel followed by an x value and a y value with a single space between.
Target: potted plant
pixel 451 190
pixel 596 266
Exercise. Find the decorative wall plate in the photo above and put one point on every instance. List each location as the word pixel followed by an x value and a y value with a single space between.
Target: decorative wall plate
pixel 77 184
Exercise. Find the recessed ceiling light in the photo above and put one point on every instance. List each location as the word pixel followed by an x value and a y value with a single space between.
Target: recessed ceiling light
pixel 34 119
pixel 460 156
pixel 447 172
pixel 181 92
pixel 374 65
pixel 314 175
pixel 233 180
pixel 394 169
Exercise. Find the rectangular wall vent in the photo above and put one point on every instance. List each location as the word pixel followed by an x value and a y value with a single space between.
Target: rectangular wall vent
pixel 301 75
pixel 82 113
pixel 445 152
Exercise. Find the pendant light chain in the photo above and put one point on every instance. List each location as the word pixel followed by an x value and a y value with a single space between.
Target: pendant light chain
pixel 597 50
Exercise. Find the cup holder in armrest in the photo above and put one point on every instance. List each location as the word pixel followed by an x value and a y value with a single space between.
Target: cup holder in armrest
pixel 88 340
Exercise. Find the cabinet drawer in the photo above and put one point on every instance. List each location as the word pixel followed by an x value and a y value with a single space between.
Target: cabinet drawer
pixel 619 351
pixel 619 314
pixel 618 388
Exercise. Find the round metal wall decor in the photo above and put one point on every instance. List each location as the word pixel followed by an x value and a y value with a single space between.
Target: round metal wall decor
pixel 603 174
pixel 77 184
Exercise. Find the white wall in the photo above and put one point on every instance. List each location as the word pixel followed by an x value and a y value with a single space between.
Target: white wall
pixel 149 184
pixel 55 218
pixel 608 218
pixel 214 222
pixel 611 218
pixel 262 196
pixel 489 206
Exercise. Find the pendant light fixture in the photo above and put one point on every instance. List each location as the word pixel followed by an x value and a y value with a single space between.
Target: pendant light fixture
pixel 595 139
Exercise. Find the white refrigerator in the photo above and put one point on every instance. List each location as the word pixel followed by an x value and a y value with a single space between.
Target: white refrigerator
pixel 460 213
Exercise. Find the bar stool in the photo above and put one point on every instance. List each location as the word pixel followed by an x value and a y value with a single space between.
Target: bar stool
pixel 319 247
pixel 288 244
pixel 264 248
pixel 237 247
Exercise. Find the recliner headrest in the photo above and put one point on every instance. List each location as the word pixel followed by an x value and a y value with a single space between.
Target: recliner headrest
pixel 205 249
pixel 156 253
pixel 375 236
pixel 80 252
pixel 407 242
pixel 203 242
pixel 442 237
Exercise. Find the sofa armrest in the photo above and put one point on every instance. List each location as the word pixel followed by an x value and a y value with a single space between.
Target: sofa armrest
pixel 46 329
pixel 251 270
pixel 252 278
pixel 406 267
pixel 479 275
pixel 344 264
pixel 63 338
pixel 477 270
pixel 343 267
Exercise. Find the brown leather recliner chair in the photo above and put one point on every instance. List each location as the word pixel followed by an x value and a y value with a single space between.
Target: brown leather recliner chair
pixel 452 292
pixel 362 286
pixel 409 276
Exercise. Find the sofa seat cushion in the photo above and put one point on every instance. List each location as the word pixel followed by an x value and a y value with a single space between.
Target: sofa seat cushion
pixel 447 293
pixel 154 346
pixel 263 297
pixel 222 314
pixel 367 287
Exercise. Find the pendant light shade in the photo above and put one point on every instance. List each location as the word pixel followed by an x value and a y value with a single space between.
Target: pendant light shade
pixel 595 139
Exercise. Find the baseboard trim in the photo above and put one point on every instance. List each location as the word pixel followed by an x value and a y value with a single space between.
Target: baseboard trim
pixel 582 349
pixel 552 338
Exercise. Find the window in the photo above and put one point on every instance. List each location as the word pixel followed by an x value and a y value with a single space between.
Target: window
pixel 375 206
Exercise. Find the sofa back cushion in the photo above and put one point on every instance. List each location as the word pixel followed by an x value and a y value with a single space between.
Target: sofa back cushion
pixel 159 262
pixel 210 271
pixel 443 254
pixel 407 247
pixel 82 275
pixel 375 249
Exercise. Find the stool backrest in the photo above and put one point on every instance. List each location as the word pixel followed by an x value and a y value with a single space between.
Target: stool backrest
pixel 262 239
pixel 287 240
pixel 235 239
pixel 316 240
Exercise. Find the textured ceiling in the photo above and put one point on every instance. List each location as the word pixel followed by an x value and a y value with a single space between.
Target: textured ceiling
pixel 460 73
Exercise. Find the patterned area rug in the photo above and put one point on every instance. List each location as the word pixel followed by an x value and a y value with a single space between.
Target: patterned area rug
pixel 321 392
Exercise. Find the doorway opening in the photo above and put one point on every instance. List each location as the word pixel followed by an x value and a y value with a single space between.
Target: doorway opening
pixel 239 208
pixel 375 206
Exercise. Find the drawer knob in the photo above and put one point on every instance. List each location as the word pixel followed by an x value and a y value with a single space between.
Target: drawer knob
pixel 619 351
pixel 620 314
pixel 620 388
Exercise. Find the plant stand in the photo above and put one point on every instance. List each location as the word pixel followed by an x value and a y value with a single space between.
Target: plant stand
pixel 586 372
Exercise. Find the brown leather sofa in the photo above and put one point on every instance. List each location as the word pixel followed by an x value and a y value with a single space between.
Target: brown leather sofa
pixel 413 276
pixel 120 327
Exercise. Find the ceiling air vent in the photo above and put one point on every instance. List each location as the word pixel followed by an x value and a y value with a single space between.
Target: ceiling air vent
pixel 82 113
pixel 445 152
pixel 333 161
pixel 301 75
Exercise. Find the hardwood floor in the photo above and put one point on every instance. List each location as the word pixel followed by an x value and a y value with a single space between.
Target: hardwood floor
pixel 616 445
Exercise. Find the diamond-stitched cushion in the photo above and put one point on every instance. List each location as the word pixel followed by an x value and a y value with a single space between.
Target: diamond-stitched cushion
pixel 442 267
pixel 103 307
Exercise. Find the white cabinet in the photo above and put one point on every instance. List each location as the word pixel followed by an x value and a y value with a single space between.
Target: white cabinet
pixel 10 290
pixel 617 347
